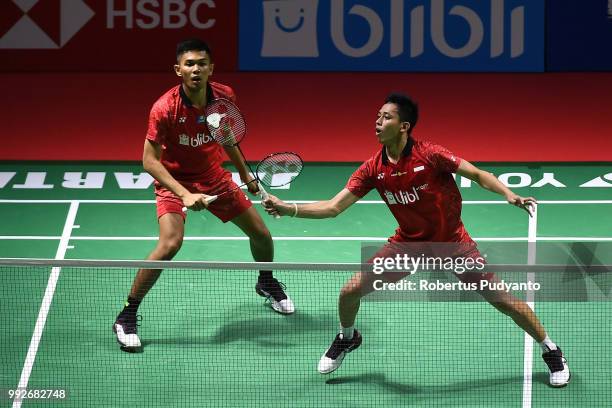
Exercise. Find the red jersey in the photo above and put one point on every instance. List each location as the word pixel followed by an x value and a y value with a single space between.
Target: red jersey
pixel 419 190
pixel 188 151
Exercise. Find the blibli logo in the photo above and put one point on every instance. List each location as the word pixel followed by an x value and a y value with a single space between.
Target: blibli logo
pixel 417 24
pixel 403 197
pixel 403 33
pixel 290 29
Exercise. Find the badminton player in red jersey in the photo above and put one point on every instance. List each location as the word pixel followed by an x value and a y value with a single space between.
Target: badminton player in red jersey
pixel 186 162
pixel 414 178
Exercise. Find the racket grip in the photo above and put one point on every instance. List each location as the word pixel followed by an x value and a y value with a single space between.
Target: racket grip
pixel 208 200
pixel 264 197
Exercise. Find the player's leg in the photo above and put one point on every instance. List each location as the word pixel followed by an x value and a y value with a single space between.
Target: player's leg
pixel 171 231
pixel 349 338
pixel 525 318
pixel 262 249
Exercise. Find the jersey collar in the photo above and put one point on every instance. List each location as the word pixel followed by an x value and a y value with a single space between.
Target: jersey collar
pixel 187 102
pixel 406 152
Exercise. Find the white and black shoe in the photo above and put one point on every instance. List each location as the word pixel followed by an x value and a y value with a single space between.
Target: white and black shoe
pixel 126 330
pixel 274 291
pixel 332 359
pixel 559 371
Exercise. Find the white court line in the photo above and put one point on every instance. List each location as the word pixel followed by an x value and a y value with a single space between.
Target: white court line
pixel 46 302
pixel 532 235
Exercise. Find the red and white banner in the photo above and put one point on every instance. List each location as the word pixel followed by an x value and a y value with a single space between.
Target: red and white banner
pixel 112 35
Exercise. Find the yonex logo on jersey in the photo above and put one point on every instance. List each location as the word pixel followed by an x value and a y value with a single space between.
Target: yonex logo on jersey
pixel 32 15
pixel 380 176
pixel 182 119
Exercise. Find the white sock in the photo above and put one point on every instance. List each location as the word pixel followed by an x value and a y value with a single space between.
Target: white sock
pixel 547 345
pixel 347 332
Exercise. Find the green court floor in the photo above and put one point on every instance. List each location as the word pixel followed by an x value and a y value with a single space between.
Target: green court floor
pixel 210 341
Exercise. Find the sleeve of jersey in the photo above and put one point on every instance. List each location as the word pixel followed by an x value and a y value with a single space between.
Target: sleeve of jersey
pixel 443 159
pixel 157 129
pixel 231 94
pixel 362 180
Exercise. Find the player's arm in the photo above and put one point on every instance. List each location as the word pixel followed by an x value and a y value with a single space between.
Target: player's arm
pixel 151 161
pixel 490 182
pixel 321 209
pixel 236 157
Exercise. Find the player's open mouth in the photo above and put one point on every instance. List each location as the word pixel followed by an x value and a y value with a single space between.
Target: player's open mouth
pixel 197 80
pixel 378 131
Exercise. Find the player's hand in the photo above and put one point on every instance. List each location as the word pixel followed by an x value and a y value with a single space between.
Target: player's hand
pixel 526 203
pixel 253 187
pixel 275 206
pixel 195 201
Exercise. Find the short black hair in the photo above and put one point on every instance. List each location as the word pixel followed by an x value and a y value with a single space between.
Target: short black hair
pixel 192 44
pixel 407 108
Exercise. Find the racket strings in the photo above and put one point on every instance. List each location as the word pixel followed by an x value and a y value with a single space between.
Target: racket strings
pixel 289 165
pixel 225 122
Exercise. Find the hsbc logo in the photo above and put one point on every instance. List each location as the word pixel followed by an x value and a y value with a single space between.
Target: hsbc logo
pixel 43 24
pixel 51 24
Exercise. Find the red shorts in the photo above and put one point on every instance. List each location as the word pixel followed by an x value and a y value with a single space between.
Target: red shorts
pixel 226 207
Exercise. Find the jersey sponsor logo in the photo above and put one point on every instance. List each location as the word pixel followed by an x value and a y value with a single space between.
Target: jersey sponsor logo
pixel 404 197
pixel 184 139
pixel 197 141
pixel 418 168
pixel 28 32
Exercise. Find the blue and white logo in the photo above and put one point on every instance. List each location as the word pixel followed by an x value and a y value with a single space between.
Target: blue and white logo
pixel 392 35
pixel 290 29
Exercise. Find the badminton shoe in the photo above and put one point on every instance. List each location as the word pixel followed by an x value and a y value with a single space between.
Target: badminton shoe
pixel 274 292
pixel 559 370
pixel 126 330
pixel 332 359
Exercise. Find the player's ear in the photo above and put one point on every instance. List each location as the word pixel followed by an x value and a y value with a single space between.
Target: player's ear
pixel 211 69
pixel 405 127
pixel 177 70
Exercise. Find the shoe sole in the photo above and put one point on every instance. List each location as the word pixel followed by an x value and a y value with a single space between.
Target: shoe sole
pixel 562 385
pixel 123 347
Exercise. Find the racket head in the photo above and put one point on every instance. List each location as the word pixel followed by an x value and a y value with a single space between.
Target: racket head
pixel 279 169
pixel 225 122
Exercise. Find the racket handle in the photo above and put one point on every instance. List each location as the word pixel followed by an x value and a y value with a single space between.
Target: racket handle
pixel 264 197
pixel 208 200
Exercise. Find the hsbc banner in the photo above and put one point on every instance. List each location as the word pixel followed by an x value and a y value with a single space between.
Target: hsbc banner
pixel 579 35
pixel 112 35
pixel 392 35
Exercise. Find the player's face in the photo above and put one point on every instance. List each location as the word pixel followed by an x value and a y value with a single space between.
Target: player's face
pixel 389 127
pixel 194 67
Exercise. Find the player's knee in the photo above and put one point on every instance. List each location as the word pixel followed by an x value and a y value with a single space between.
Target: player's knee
pixel 170 247
pixel 261 234
pixel 351 291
